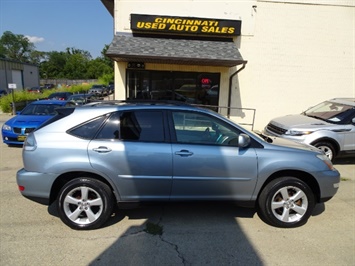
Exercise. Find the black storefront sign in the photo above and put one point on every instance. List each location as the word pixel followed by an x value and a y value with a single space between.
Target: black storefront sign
pixel 185 25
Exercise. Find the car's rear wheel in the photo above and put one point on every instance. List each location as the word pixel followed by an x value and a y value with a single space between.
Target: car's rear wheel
pixel 85 203
pixel 286 202
pixel 327 148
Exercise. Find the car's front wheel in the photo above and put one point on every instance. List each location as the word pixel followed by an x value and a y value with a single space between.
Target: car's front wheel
pixel 327 148
pixel 286 202
pixel 85 203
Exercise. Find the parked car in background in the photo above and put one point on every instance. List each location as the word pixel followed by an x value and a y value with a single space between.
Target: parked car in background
pixel 80 99
pixel 63 96
pixel 111 88
pixel 15 130
pixel 99 90
pixel 37 89
pixel 3 93
pixel 102 154
pixel 329 126
pixel 49 86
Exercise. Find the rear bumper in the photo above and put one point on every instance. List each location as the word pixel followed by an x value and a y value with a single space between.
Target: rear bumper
pixel 36 186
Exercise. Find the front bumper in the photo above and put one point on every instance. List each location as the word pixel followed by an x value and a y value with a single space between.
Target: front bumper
pixel 329 182
pixel 300 139
pixel 8 137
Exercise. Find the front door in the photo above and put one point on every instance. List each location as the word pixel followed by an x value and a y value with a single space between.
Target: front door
pixel 206 162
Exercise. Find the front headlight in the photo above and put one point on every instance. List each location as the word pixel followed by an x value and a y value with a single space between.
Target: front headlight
pixel 6 127
pixel 326 160
pixel 298 132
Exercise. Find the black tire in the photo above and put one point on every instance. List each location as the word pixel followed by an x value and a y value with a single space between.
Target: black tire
pixel 88 211
pixel 327 148
pixel 286 202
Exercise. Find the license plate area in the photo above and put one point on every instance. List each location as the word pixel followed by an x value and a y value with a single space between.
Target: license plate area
pixel 21 138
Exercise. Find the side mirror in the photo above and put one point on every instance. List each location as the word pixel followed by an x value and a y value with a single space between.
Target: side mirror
pixel 243 140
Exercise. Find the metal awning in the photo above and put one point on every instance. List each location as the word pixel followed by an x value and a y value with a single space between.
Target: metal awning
pixel 174 51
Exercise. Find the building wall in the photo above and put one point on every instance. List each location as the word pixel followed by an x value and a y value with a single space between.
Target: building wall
pixel 298 56
pixel 29 74
pixel 299 53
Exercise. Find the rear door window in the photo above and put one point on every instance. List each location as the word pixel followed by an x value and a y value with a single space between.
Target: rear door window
pixel 139 125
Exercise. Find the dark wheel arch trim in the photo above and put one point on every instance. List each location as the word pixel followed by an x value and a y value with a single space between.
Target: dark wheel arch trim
pixel 67 177
pixel 303 176
pixel 331 141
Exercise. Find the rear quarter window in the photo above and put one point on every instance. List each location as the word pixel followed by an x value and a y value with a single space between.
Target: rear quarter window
pixel 88 129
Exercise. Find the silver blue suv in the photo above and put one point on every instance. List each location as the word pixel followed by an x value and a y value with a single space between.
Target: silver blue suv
pixel 88 159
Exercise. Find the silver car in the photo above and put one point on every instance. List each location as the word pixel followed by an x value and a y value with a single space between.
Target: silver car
pixel 98 90
pixel 329 126
pixel 90 158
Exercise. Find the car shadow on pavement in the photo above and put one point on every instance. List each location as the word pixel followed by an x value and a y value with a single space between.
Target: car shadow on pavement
pixel 181 234
pixel 147 210
pixel 344 160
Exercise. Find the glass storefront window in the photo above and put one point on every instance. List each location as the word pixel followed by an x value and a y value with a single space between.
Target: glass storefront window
pixel 190 87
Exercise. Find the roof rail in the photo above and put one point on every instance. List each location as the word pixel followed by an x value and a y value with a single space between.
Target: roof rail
pixel 137 101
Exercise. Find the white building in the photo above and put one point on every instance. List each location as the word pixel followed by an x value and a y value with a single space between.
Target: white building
pixel 277 57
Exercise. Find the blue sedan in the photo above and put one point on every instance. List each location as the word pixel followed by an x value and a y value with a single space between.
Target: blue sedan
pixel 16 129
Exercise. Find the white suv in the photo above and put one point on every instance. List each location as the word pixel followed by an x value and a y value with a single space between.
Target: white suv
pixel 329 126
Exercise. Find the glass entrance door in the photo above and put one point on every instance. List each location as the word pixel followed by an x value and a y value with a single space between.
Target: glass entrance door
pixel 137 85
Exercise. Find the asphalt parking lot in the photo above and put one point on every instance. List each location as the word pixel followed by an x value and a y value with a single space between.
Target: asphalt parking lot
pixel 173 234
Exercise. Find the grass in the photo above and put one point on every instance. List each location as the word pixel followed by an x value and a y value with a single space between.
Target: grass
pixel 344 179
pixel 153 229
pixel 25 96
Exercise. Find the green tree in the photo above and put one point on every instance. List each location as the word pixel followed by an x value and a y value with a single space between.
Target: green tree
pixel 108 61
pixel 53 65
pixel 74 51
pixel 97 68
pixel 36 57
pixel 76 67
pixel 16 47
pixel 72 63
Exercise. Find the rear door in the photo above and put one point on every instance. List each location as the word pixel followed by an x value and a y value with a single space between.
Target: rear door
pixel 131 148
pixel 207 163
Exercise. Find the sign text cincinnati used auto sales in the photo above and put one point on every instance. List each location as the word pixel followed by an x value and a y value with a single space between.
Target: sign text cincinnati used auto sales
pixel 185 25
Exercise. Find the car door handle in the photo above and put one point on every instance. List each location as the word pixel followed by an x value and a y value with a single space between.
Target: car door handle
pixel 184 153
pixel 102 149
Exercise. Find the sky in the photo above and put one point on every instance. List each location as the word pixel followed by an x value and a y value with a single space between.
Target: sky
pixel 54 25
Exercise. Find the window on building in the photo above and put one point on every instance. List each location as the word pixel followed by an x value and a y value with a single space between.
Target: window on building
pixel 189 87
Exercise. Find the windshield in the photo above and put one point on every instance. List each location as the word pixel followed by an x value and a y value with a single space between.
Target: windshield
pixel 330 111
pixel 40 109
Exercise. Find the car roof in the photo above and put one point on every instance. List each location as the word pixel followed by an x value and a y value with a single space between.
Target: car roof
pixel 84 112
pixel 61 92
pixel 348 101
pixel 111 106
pixel 49 102
pixel 82 94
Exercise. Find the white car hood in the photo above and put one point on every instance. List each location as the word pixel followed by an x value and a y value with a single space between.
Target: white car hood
pixel 300 122
pixel 293 144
